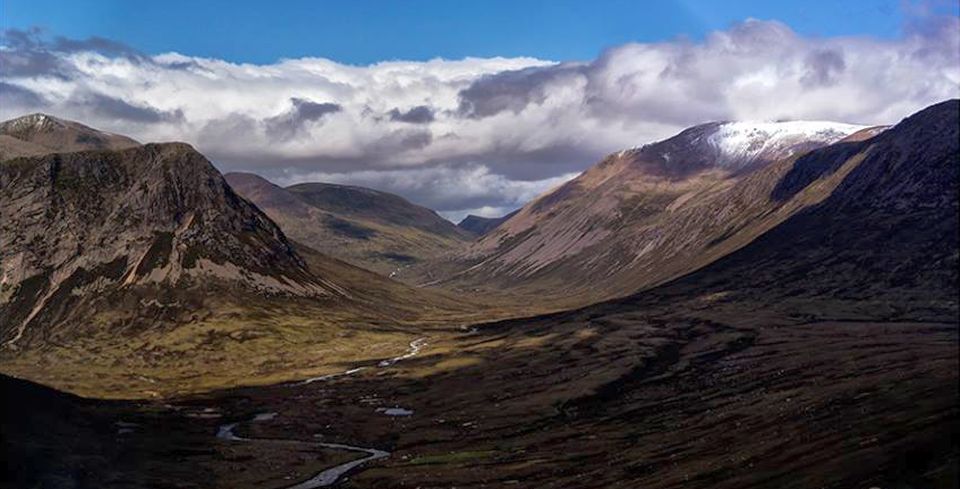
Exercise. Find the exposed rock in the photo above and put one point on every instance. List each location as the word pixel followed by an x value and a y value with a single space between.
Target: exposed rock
pixel 78 225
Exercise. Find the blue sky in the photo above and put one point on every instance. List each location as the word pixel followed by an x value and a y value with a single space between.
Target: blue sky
pixel 363 32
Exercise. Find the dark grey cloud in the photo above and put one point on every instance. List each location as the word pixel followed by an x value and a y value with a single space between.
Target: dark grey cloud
pixel 507 162
pixel 288 124
pixel 405 141
pixel 29 52
pixel 106 47
pixel 17 96
pixel 117 109
pixel 823 67
pixel 224 129
pixel 510 90
pixel 938 36
pixel 310 111
pixel 420 114
pixel 25 55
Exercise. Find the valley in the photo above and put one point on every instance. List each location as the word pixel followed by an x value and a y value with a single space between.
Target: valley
pixel 680 315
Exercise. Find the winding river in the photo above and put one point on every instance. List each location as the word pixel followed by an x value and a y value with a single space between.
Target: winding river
pixel 329 476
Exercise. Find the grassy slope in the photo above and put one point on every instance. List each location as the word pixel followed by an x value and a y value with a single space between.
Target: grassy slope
pixel 231 338
pixel 374 230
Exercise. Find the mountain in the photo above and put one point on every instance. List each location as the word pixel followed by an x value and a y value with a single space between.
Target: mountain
pixel 881 241
pixel 649 214
pixel 145 259
pixel 36 134
pixel 79 226
pixel 804 335
pixel 371 229
pixel 842 319
pixel 479 225
pixel 822 353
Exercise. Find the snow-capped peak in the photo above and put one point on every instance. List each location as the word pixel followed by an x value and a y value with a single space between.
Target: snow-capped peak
pixel 741 143
pixel 34 122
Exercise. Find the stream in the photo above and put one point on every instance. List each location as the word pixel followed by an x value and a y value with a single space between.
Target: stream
pixel 329 476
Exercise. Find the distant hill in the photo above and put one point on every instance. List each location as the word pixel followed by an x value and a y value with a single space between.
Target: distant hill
pixel 482 225
pixel 371 229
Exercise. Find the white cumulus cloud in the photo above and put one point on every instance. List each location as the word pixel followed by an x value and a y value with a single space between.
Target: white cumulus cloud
pixel 474 134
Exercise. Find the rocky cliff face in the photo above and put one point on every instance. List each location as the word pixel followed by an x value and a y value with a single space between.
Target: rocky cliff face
pixel 83 226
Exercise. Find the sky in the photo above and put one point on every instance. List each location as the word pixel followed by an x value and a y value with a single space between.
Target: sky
pixel 466 107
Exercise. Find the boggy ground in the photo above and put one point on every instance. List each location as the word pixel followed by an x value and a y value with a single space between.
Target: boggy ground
pixel 626 394
pixel 629 400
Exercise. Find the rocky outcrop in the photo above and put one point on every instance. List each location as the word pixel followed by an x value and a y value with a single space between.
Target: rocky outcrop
pixel 83 226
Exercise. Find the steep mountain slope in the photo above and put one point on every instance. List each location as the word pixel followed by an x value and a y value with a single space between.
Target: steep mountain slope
pixel 41 133
pixel 482 225
pixel 11 147
pixel 884 242
pixel 645 215
pixel 78 225
pixel 371 229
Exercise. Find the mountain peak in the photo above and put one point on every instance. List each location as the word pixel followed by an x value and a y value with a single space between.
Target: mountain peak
pixel 37 121
pixel 738 145
pixel 48 134
pixel 745 141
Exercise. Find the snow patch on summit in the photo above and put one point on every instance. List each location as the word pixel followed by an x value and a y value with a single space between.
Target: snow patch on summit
pixel 745 142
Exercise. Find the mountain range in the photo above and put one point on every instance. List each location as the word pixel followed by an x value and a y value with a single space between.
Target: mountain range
pixel 138 249
pixel 744 304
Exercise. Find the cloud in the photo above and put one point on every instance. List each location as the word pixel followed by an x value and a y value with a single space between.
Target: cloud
pixel 106 107
pixel 511 91
pixel 823 67
pixel 17 96
pixel 476 133
pixel 23 55
pixel 420 114
pixel 302 113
